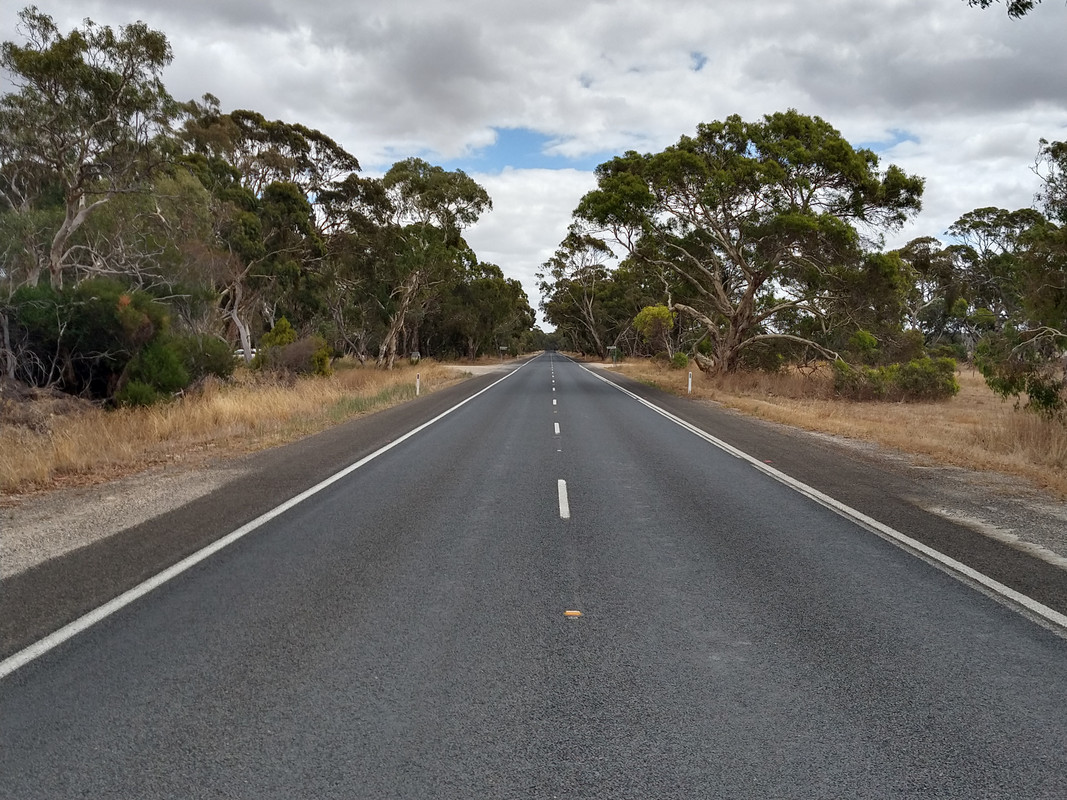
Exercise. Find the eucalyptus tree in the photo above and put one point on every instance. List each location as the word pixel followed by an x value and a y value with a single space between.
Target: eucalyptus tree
pixel 762 220
pixel 481 310
pixel 572 286
pixel 269 180
pixel 428 208
pixel 83 125
pixel 1024 353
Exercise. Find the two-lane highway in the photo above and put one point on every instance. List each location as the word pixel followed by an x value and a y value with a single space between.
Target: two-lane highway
pixel 403 633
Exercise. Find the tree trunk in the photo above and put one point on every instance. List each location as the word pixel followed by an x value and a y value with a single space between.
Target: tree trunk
pixel 387 351
pixel 77 212
pixel 9 354
pixel 233 313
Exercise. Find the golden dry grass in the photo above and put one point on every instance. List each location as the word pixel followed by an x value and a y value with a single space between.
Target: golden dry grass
pixel 249 413
pixel 975 429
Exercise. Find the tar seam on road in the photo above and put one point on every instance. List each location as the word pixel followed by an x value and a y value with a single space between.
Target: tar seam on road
pixel 1035 610
pixel 564 503
pixel 68 631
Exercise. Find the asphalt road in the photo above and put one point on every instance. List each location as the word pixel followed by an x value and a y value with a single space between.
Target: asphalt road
pixel 402 634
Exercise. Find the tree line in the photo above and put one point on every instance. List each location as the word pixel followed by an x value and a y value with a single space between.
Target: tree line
pixel 143 239
pixel 760 245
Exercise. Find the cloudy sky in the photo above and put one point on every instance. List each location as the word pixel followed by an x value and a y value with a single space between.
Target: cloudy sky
pixel 529 97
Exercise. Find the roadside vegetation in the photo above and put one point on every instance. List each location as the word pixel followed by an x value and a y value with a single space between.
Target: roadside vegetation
pixel 974 429
pixel 254 410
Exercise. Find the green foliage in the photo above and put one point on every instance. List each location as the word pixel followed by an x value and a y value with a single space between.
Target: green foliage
pixel 864 346
pixel 137 394
pixel 769 355
pixel 1016 8
pixel 654 323
pixel 1016 364
pixel 320 358
pixel 308 356
pixel 203 355
pixel 758 218
pixel 158 366
pixel 679 361
pixel 281 334
pixel 926 379
pixel 922 379
pixel 84 115
pixel 82 338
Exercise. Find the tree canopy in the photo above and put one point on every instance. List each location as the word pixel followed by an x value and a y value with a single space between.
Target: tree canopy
pixel 214 226
pixel 764 220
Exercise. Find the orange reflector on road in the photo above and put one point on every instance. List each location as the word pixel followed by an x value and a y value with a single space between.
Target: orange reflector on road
pixel 572 613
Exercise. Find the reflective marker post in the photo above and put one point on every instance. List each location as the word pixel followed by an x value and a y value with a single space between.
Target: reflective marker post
pixel 690 383
pixel 418 378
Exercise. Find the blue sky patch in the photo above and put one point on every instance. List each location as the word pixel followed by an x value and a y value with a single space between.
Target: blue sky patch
pixel 522 148
pixel 697 61
pixel 896 136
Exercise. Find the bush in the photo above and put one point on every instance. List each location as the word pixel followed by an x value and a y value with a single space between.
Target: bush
pixel 679 361
pixel 863 346
pixel 158 366
pixel 927 379
pixel 135 393
pixel 916 380
pixel 205 355
pixel 83 337
pixel 307 356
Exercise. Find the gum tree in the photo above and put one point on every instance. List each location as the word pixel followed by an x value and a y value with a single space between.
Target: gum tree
pixel 763 219
pixel 82 124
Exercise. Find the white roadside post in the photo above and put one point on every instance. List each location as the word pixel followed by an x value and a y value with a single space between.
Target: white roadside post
pixel 418 380
pixel 690 383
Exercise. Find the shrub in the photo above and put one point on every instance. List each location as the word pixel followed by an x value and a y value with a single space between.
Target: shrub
pixel 83 337
pixel 864 346
pixel 926 379
pixel 916 380
pixel 655 323
pixel 310 355
pixel 909 345
pixel 159 367
pixel 281 335
pixel 858 383
pixel 136 393
pixel 679 361
pixel 205 355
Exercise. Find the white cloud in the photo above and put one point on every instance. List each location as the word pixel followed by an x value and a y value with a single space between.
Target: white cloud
pixel 531 211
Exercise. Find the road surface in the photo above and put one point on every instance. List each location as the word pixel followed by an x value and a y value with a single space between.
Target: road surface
pixel 404 633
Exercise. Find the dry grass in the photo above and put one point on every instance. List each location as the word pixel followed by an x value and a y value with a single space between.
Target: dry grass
pixel 975 429
pixel 248 414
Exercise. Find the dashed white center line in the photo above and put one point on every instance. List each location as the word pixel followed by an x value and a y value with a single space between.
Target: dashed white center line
pixel 556 425
pixel 553 401
pixel 564 503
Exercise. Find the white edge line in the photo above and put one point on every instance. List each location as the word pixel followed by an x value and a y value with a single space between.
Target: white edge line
pixel 68 631
pixel 947 563
pixel 564 503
